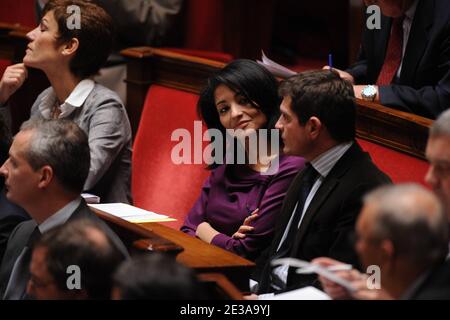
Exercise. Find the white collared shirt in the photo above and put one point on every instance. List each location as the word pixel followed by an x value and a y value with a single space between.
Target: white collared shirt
pixel 75 100
pixel 60 217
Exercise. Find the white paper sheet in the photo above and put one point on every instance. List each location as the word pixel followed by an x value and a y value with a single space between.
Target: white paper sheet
pixel 131 213
pixel 323 271
pixel 307 293
pixel 275 68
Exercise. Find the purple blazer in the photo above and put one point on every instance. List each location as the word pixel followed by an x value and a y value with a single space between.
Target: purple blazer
pixel 231 193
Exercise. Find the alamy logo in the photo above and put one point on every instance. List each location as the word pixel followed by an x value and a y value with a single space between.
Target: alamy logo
pixel 74 280
pixel 258 148
pixel 74 20
pixel 373 281
pixel 374 20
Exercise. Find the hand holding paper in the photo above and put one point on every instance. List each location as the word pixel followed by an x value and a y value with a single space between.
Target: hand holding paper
pixel 316 268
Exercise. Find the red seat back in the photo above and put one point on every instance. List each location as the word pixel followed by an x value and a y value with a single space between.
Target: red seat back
pixel 18 11
pixel 399 166
pixel 3 65
pixel 158 184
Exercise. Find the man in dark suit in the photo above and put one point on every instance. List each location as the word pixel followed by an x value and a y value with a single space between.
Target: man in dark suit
pixel 408 60
pixel 318 123
pixel 45 172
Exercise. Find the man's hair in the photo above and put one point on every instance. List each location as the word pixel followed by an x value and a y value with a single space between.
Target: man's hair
pixel 441 126
pixel 62 145
pixel 412 218
pixel 95 35
pixel 156 277
pixel 323 94
pixel 83 243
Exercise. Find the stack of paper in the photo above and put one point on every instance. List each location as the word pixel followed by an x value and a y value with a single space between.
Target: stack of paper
pixel 131 213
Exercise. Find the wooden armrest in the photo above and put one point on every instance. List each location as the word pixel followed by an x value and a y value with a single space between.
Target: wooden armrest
pixel 396 129
pixel 219 287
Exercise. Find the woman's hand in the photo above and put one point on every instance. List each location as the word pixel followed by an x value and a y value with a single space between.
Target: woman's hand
pixel 12 79
pixel 205 232
pixel 245 228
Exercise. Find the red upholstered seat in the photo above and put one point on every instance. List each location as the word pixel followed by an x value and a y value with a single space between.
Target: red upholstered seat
pixel 399 166
pixel 158 184
pixel 18 11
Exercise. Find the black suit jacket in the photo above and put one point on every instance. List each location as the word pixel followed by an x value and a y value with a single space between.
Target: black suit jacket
pixel 424 84
pixel 21 235
pixel 436 286
pixel 329 219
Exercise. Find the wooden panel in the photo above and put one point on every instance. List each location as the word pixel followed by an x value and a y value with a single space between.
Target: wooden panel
pixel 219 287
pixel 386 126
pixel 395 129
pixel 206 258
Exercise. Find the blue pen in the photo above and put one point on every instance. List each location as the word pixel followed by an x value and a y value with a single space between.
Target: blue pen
pixel 330 61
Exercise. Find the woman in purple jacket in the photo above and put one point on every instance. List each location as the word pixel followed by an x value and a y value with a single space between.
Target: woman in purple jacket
pixel 239 203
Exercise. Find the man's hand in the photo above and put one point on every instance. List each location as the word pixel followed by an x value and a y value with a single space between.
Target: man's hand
pixel 12 79
pixel 334 290
pixel 245 228
pixel 357 279
pixel 344 75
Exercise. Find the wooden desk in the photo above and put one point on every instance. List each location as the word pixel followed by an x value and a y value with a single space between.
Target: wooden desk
pixel 204 257
pixel 190 251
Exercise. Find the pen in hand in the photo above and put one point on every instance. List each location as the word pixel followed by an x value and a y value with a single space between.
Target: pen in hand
pixel 330 61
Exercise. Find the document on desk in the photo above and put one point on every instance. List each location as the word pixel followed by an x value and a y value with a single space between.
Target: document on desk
pixel 131 213
pixel 307 293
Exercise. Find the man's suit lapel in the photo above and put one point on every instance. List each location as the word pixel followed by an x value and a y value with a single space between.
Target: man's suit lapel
pixel 287 209
pixel 418 40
